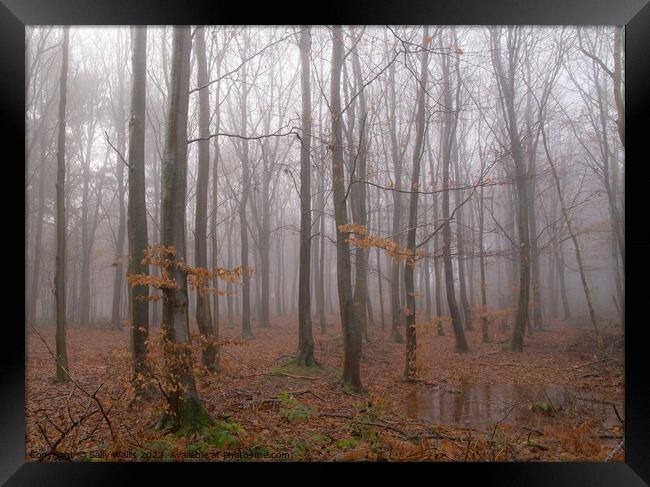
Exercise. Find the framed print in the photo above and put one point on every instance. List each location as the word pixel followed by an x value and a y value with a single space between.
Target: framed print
pixel 395 233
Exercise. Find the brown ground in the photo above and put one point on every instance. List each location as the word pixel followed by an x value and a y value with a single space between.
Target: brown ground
pixel 270 408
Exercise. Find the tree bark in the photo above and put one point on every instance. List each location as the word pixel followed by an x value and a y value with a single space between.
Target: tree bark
pixel 137 211
pixel 460 247
pixel 409 285
pixel 396 311
pixel 209 357
pixel 450 122
pixel 243 224
pixel 59 277
pixel 351 331
pixel 358 194
pixel 506 82
pixel 86 241
pixel 305 338
pixel 118 280
pixel 187 410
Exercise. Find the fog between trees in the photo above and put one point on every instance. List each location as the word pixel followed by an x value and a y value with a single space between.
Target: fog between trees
pixel 355 177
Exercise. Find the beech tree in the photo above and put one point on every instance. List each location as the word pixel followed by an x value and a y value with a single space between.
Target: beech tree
pixel 59 279
pixel 305 339
pixel 137 211
pixel 418 150
pixel 203 313
pixel 185 407
pixel 349 323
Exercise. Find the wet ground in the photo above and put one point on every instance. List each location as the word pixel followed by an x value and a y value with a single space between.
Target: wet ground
pixel 528 405
pixel 548 403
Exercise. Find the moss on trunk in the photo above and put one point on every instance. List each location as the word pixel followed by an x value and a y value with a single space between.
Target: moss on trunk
pixel 192 417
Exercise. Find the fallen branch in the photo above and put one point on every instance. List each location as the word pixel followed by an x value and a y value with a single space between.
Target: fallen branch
pixel 277 372
pixel 511 364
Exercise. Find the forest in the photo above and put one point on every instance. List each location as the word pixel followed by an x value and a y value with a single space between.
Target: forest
pixel 324 243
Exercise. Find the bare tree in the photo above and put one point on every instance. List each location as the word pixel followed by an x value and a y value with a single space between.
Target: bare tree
pixel 59 278
pixel 203 313
pixel 349 324
pixel 305 338
pixel 418 150
pixel 449 125
pixel 137 210
pixel 506 83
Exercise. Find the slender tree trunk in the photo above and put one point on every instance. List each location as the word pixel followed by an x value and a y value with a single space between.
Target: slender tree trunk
pixel 350 328
pixel 380 276
pixel 506 81
pixel 305 339
pixel 264 241
pixel 86 243
pixel 409 285
pixel 449 135
pixel 358 194
pixel 618 95
pixel 320 282
pixel 137 218
pixel 118 281
pixel 437 271
pixel 485 332
pixel 460 249
pixel 59 278
pixel 396 311
pixel 214 214
pixel 243 224
pixel 229 287
pixel 209 350
pixel 563 291
pixel 38 239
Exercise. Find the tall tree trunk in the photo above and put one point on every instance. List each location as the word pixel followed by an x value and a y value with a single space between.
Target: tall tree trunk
pixel 265 251
pixel 380 276
pixel 137 218
pixel 86 242
pixel 305 338
pixel 186 410
pixel 214 214
pixel 243 224
pixel 437 271
pixel 485 332
pixel 409 285
pixel 506 82
pixel 450 119
pixel 118 280
pixel 350 328
pixel 460 247
pixel 34 282
pixel 396 311
pixel 203 313
pixel 59 277
pixel 358 194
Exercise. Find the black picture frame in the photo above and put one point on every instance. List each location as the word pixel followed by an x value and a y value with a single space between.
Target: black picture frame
pixel 634 14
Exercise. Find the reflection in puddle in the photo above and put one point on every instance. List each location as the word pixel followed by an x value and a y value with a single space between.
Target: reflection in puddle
pixel 475 405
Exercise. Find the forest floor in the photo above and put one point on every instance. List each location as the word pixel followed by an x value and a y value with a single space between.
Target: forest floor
pixel 556 401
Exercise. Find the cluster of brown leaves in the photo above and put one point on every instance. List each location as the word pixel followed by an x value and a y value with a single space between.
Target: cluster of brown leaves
pixel 198 278
pixel 359 237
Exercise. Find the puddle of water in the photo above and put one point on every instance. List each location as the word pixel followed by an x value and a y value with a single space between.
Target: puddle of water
pixel 477 405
